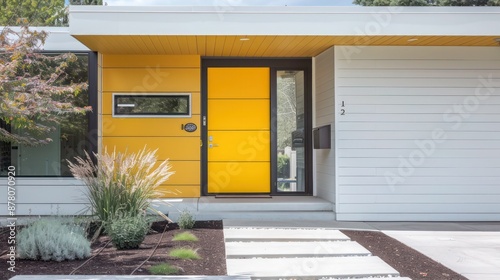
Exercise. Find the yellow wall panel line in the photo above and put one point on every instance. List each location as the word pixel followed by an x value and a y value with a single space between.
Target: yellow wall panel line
pixel 173 148
pixel 151 80
pixel 142 61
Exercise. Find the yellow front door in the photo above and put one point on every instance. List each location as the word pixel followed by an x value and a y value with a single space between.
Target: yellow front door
pixel 238 130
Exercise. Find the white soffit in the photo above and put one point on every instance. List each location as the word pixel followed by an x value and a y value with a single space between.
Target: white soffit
pixel 58 39
pixel 327 21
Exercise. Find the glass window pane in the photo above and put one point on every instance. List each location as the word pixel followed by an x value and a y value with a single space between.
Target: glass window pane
pixel 69 137
pixel 290 125
pixel 137 105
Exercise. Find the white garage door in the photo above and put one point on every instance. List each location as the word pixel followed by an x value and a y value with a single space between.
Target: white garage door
pixel 418 133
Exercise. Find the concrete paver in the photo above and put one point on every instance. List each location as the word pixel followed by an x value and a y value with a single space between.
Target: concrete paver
pixel 476 255
pixel 290 252
pixel 311 267
pixel 304 223
pixel 279 234
pixel 235 250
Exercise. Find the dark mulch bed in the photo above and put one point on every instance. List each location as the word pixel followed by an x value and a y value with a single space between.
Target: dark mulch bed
pixel 110 261
pixel 407 261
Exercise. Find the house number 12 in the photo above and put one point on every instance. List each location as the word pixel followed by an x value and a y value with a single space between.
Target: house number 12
pixel 342 111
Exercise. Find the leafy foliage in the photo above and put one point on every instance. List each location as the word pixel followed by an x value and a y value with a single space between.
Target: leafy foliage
pixel 427 2
pixel 185 254
pixel 164 269
pixel 186 220
pixel 37 92
pixel 128 232
pixel 120 182
pixel 52 239
pixel 185 236
pixel 34 12
pixel 287 110
pixel 283 166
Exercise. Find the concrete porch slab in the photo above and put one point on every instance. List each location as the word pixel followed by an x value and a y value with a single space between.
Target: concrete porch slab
pixel 475 255
pixel 241 250
pixel 277 208
pixel 279 234
pixel 311 268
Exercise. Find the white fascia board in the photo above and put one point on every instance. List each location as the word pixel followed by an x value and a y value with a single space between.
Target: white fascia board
pixel 329 21
pixel 58 39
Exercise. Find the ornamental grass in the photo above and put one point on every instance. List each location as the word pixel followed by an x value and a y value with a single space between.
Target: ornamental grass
pixel 121 183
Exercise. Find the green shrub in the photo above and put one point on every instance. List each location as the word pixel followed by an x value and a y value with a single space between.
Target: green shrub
pixel 163 269
pixel 186 220
pixel 128 232
pixel 52 239
pixel 185 254
pixel 283 166
pixel 120 182
pixel 185 236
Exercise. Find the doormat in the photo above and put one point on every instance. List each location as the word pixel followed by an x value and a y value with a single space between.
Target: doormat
pixel 243 196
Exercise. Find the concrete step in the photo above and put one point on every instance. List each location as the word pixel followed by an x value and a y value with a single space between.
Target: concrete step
pixel 276 208
pixel 261 215
pixel 276 203
pixel 235 250
pixel 311 268
pixel 259 234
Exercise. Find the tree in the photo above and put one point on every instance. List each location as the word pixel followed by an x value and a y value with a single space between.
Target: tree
pixel 34 12
pixel 37 92
pixel 427 2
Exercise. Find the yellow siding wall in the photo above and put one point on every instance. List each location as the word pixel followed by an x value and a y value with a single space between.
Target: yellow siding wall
pixel 155 74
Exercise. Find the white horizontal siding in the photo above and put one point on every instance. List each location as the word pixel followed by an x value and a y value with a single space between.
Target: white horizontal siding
pixel 420 138
pixel 324 115
pixel 46 196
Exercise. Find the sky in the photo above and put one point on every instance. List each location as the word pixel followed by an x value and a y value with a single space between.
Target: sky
pixel 229 2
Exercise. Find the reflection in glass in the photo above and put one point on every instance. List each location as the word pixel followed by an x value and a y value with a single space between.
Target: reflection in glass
pixel 151 104
pixel 290 127
pixel 69 136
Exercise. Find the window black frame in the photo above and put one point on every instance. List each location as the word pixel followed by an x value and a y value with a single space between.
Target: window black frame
pixel 275 65
pixel 92 118
pixel 139 115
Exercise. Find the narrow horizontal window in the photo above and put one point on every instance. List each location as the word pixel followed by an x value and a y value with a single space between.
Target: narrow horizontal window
pixel 152 105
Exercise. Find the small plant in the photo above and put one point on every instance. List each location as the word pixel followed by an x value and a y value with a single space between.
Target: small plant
pixel 186 220
pixel 185 254
pixel 53 239
pixel 164 269
pixel 128 232
pixel 185 236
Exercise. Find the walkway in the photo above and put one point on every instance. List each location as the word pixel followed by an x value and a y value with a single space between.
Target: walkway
pixel 288 252
pixel 469 248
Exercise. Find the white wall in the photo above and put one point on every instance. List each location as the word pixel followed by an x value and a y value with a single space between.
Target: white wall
pixel 420 139
pixel 45 196
pixel 324 115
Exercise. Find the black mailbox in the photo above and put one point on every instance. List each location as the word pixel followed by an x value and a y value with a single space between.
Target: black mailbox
pixel 322 137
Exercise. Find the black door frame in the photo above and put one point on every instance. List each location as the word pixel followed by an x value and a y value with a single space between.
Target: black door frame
pixel 275 64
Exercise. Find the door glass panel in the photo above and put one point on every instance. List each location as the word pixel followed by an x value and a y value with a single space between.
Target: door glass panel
pixel 290 127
